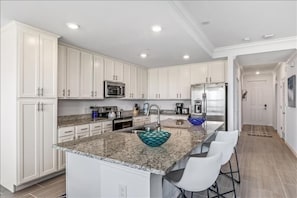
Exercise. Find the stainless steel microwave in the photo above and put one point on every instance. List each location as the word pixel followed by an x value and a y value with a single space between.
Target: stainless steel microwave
pixel 114 89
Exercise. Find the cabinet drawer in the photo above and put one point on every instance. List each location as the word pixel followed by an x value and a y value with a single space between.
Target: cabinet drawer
pixel 95 132
pixel 82 135
pixel 66 138
pixel 96 126
pixel 138 119
pixel 65 131
pixel 106 130
pixel 107 124
pixel 82 128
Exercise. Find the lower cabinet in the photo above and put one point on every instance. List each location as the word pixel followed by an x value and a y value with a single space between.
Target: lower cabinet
pixel 142 120
pixel 37 134
pixel 64 135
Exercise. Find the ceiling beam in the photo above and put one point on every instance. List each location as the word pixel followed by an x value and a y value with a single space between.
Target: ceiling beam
pixel 256 47
pixel 190 26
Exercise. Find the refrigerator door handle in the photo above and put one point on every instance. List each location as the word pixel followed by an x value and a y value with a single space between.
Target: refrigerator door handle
pixel 204 104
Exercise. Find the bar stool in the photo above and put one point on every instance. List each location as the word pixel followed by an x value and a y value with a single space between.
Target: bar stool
pixel 200 173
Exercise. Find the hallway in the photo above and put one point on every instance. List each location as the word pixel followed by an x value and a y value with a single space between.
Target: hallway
pixel 268 170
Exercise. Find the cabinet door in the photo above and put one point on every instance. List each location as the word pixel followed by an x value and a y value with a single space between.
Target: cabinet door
pixel 127 77
pixel 109 69
pixel 153 80
pixel 139 89
pixel 86 75
pixel 48 136
pixel 48 66
pixel 133 81
pixel 73 65
pixel 144 83
pixel 62 60
pixel 184 82
pixel 98 77
pixel 118 71
pixel 216 71
pixel 199 73
pixel 163 83
pixel 61 154
pixel 28 140
pixel 173 83
pixel 29 64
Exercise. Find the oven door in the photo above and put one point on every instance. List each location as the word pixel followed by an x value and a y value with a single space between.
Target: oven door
pixel 122 123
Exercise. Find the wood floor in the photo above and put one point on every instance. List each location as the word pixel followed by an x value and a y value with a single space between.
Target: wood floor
pixel 267 166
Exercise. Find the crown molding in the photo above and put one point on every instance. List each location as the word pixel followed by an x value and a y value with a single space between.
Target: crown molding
pixel 189 25
pixel 256 47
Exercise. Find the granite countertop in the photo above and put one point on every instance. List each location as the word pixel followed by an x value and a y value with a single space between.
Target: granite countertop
pixel 127 149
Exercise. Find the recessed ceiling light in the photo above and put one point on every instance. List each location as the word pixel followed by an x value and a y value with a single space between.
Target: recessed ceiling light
pixel 72 26
pixel 246 39
pixel 257 72
pixel 143 55
pixel 156 28
pixel 267 36
pixel 186 57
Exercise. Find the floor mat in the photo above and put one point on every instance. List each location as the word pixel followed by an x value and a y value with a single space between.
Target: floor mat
pixel 260 131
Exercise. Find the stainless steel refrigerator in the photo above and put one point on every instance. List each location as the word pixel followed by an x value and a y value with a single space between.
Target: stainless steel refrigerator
pixel 210 101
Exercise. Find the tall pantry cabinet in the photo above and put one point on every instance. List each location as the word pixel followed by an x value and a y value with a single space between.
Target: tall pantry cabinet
pixel 28 104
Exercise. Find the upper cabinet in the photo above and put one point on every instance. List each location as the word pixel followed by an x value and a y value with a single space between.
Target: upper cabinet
pixel 142 83
pixel 179 82
pixel 211 72
pixel 80 74
pixel 130 81
pixel 37 64
pixel 158 83
pixel 113 70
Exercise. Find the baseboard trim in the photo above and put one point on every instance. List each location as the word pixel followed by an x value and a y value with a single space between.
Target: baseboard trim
pixel 31 183
pixel 290 148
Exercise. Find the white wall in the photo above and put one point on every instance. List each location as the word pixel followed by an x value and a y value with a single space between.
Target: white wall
pixel 291 113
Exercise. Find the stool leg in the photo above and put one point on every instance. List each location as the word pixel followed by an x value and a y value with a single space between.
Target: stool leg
pixel 236 158
pixel 233 184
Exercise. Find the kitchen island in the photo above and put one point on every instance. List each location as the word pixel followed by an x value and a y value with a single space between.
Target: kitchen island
pixel 118 164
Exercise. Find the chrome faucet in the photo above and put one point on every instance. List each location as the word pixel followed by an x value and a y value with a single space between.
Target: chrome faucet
pixel 158 119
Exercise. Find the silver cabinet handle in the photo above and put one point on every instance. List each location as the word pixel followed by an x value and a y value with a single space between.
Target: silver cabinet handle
pixel 63 92
pixel 68 131
pixel 177 95
pixel 180 95
pixel 96 127
pixel 42 106
pixel 84 129
pixel 38 106
pixel 68 92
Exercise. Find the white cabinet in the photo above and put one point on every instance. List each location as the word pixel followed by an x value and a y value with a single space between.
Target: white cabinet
pixel 72 72
pixel 130 81
pixel 37 64
pixel 142 83
pixel 113 70
pixel 28 104
pixel 106 126
pixel 65 134
pixel 37 134
pixel 179 82
pixel 210 72
pixel 142 120
pixel 98 77
pixel 158 83
pixel 82 131
pixel 62 71
pixel 95 129
pixel 86 75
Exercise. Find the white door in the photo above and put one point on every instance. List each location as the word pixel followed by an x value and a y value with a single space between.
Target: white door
pixel 144 83
pixel 62 59
pixel 127 76
pixel 259 102
pixel 29 140
pixel 133 85
pixel 98 77
pixel 118 71
pixel 73 66
pixel 109 69
pixel 86 75
pixel 139 83
pixel 48 136
pixel 185 82
pixel 29 64
pixel 283 108
pixel 48 66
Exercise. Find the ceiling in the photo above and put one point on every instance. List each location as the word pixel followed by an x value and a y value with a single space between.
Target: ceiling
pixel 122 29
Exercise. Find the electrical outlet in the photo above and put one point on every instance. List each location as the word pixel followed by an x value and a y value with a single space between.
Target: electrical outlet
pixel 122 191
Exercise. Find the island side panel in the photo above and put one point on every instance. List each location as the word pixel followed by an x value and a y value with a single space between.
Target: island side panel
pixel 89 177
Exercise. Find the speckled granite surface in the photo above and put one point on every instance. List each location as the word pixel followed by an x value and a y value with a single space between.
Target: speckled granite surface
pixel 127 149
